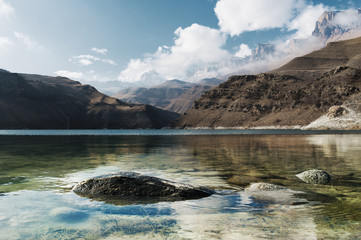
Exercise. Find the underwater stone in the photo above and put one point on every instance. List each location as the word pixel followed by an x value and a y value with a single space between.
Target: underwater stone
pixel 131 185
pixel 264 187
pixel 315 176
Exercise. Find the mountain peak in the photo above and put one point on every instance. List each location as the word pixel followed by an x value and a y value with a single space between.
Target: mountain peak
pixel 337 25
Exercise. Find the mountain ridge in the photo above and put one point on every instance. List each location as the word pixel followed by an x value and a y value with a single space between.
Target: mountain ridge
pixel 42 102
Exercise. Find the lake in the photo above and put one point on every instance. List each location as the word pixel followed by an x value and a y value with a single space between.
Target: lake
pixel 39 167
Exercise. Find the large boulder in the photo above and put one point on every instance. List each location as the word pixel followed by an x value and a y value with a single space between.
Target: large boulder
pixel 336 111
pixel 130 185
pixel 315 176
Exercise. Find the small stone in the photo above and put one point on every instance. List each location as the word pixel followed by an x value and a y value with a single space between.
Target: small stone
pixel 315 177
pixel 264 187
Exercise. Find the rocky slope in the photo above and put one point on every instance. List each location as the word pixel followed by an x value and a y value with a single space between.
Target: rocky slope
pixel 41 102
pixel 174 95
pixel 293 95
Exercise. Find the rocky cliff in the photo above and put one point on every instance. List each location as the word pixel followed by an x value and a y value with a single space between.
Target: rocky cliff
pixel 41 102
pixel 293 95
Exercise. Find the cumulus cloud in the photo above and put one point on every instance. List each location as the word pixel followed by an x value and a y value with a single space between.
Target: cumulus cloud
pixel 304 23
pixel 6 10
pixel 238 16
pixel 196 49
pixel 243 51
pixel 69 74
pixel 100 50
pixel 199 51
pixel 87 59
pixel 348 18
pixel 27 41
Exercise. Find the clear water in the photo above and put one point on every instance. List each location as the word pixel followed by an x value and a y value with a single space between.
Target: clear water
pixel 37 173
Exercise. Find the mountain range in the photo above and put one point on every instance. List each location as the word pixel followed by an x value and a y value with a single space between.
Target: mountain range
pixel 42 102
pixel 174 95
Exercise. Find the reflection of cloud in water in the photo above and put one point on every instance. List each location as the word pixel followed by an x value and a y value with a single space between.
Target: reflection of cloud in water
pixel 239 217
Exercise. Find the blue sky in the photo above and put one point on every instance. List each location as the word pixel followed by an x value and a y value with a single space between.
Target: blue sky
pixel 138 40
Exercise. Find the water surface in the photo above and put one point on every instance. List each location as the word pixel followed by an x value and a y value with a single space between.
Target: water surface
pixel 37 173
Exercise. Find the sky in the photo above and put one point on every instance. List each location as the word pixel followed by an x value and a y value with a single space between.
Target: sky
pixel 147 41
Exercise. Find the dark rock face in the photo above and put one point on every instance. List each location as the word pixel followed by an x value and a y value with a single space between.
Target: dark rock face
pixel 130 185
pixel 41 102
pixel 315 177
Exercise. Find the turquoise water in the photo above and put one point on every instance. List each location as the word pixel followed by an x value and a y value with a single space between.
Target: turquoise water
pixel 38 169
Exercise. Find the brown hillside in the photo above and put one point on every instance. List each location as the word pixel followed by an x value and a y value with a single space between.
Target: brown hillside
pixel 41 102
pixel 295 94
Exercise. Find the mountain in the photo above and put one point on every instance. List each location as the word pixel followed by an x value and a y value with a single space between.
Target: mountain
pixel 174 95
pixel 42 102
pixel 263 50
pixel 210 81
pixel 294 95
pixel 334 26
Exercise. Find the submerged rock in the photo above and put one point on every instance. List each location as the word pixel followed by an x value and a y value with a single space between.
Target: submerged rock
pixel 264 187
pixel 315 177
pixel 275 194
pixel 130 185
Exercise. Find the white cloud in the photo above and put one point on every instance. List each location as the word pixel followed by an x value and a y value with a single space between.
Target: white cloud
pixel 304 23
pixel 243 51
pixel 100 50
pixel 85 62
pixel 238 16
pixel 348 18
pixel 196 50
pixel 109 61
pixel 27 41
pixel 87 59
pixel 6 10
pixel 69 74
pixel 5 42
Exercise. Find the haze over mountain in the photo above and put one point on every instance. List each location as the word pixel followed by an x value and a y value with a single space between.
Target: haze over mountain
pixel 42 102
pixel 294 95
pixel 174 95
